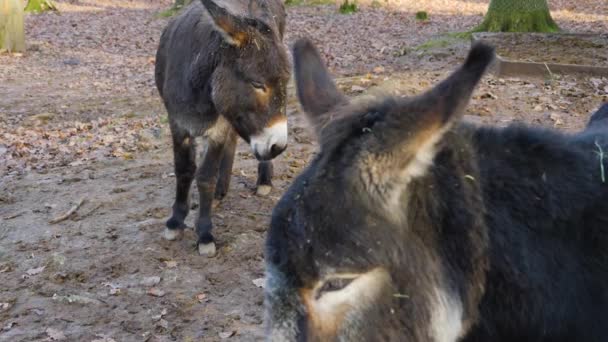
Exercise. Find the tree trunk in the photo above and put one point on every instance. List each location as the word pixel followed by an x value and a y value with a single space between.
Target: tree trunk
pixel 518 16
pixel 12 34
pixel 38 6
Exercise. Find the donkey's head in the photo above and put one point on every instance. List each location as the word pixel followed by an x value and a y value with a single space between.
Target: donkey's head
pixel 354 250
pixel 249 84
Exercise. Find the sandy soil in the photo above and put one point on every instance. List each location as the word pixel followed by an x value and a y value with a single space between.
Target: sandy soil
pixel 80 120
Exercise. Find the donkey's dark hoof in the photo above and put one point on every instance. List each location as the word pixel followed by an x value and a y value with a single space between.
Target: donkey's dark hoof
pixel 173 234
pixel 263 190
pixel 207 249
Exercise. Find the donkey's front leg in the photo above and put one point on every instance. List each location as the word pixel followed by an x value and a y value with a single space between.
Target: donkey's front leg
pixel 185 167
pixel 206 179
pixel 225 173
pixel 264 184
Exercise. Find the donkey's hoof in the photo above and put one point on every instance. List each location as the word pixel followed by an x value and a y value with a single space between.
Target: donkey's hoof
pixel 263 190
pixel 207 249
pixel 173 234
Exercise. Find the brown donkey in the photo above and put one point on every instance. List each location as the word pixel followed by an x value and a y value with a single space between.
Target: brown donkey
pixel 222 72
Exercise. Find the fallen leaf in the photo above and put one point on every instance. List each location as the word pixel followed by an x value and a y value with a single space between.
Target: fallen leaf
pixel 159 316
pixel 170 264
pixel 163 323
pixel 227 334
pixel 156 292
pixel 150 281
pixel 34 271
pixel 259 282
pixel 201 297
pixel 9 326
pixel 55 335
pixel 378 70
pixel 488 95
pixel 71 299
pixel 557 120
pixel 103 338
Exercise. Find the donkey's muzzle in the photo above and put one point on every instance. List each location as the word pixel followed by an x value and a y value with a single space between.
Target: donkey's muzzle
pixel 271 142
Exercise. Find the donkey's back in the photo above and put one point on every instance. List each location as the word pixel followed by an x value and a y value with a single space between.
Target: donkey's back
pixel 546 198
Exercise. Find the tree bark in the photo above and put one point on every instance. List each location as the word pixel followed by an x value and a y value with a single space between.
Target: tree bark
pixel 12 33
pixel 518 16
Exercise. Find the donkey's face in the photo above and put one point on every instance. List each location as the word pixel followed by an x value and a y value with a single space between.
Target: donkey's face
pixel 348 255
pixel 249 89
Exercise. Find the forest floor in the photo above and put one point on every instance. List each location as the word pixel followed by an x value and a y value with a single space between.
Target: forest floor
pixel 81 123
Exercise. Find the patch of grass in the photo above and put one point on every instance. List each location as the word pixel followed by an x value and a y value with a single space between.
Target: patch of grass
pixel 461 35
pixel 293 2
pixel 39 6
pixel 442 41
pixel 164 119
pixel 348 7
pixel 434 44
pixel 129 115
pixel 168 12
pixel 308 2
pixel 422 16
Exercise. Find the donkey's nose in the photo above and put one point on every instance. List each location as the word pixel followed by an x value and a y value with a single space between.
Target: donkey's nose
pixel 271 142
pixel 275 150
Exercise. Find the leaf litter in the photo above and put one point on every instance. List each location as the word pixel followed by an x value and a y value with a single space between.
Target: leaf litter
pixel 84 94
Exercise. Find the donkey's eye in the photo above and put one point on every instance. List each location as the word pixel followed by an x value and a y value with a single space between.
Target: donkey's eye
pixel 333 284
pixel 258 85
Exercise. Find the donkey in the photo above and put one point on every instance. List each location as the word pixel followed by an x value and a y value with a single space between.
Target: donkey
pixel 410 225
pixel 221 73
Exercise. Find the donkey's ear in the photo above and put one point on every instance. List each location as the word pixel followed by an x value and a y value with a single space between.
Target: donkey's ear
pixel 447 100
pixel 233 28
pixel 316 90
pixel 402 145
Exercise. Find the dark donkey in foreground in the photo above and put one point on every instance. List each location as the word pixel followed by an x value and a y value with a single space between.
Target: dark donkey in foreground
pixel 410 225
pixel 221 73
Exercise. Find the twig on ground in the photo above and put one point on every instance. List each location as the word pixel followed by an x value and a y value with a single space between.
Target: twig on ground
pixel 88 213
pixel 69 213
pixel 12 216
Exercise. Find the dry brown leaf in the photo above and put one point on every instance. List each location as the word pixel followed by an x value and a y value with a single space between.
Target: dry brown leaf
pixel 55 335
pixel 156 292
pixel 34 271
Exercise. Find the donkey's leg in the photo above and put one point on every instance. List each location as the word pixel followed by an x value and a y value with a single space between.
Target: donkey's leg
pixel 206 179
pixel 265 171
pixel 184 155
pixel 225 173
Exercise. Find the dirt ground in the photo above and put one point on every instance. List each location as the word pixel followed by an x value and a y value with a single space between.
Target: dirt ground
pixel 81 123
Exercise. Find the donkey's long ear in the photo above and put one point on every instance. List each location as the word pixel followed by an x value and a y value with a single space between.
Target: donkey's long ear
pixel 447 101
pixel 402 145
pixel 233 28
pixel 316 90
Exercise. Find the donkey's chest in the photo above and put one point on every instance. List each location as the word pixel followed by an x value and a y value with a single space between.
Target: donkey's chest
pixel 212 127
